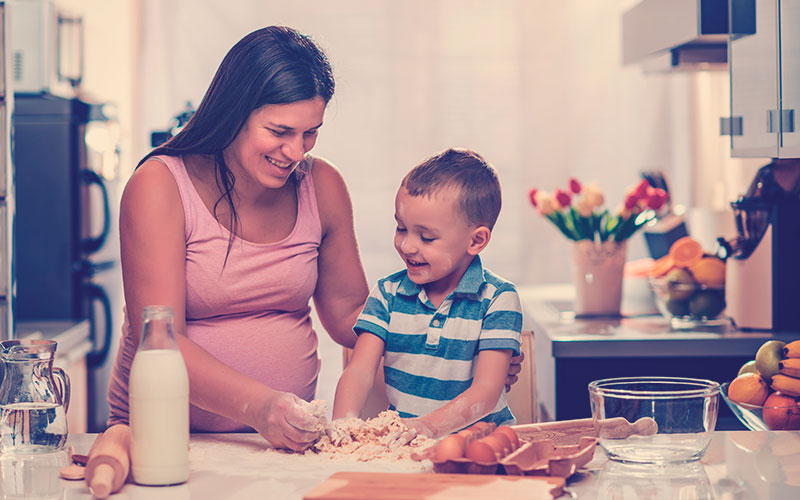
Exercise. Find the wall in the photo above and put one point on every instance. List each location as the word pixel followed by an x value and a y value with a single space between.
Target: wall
pixel 536 87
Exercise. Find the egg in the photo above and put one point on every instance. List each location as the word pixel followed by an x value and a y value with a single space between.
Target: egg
pixel 511 434
pixel 497 444
pixel 468 435
pixel 449 448
pixel 480 452
pixel 503 439
pixel 480 428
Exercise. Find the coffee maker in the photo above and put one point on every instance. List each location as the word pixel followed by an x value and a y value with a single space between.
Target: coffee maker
pixel 762 285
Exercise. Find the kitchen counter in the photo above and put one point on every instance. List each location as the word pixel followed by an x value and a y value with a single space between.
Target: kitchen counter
pixel 739 464
pixel 570 352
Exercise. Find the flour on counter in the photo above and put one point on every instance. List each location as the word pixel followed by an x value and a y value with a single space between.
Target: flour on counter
pixel 384 437
pixel 249 455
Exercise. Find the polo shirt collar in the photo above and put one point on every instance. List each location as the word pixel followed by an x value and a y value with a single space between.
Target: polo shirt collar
pixel 470 283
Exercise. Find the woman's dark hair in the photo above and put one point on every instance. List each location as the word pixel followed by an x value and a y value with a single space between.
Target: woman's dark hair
pixel 272 65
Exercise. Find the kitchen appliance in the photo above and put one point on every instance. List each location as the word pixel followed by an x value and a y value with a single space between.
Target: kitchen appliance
pixel 763 271
pixel 46 47
pixel 66 236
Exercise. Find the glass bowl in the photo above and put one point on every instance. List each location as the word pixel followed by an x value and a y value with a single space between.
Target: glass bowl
pixel 782 418
pixel 687 305
pixel 684 411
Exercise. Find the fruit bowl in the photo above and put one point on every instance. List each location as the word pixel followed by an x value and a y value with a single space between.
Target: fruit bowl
pixel 689 305
pixel 753 416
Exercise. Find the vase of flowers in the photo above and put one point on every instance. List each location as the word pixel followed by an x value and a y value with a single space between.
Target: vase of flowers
pixel 599 236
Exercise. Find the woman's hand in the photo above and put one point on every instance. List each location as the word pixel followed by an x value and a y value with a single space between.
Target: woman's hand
pixel 513 369
pixel 289 422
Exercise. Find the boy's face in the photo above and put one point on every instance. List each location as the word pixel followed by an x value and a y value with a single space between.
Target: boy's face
pixel 433 238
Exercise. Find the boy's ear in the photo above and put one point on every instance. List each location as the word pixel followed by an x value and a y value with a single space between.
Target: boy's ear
pixel 479 239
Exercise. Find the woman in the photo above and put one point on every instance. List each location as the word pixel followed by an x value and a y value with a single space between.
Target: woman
pixel 236 227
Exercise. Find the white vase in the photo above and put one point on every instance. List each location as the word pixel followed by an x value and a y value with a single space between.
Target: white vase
pixel 597 269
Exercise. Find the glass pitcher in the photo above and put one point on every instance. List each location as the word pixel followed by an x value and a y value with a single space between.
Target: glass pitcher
pixel 34 398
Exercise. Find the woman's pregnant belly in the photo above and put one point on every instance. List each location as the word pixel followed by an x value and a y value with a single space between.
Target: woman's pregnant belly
pixel 278 350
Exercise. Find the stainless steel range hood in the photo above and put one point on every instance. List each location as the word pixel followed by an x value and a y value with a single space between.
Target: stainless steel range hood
pixel 669 35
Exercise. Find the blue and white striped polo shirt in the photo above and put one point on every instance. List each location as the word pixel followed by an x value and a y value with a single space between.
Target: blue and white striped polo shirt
pixel 429 357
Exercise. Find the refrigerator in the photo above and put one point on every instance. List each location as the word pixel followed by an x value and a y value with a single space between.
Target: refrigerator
pixel 66 155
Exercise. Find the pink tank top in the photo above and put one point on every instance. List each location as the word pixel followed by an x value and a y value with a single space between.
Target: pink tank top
pixel 254 314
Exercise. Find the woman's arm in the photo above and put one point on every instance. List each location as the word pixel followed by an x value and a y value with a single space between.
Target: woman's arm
pixel 341 286
pixel 153 252
pixel 358 376
pixel 473 404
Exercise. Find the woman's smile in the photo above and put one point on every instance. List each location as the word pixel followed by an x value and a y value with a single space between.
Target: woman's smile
pixel 279 164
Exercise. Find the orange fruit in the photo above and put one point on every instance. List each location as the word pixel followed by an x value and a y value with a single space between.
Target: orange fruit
pixel 686 251
pixel 781 412
pixel 749 388
pixel 662 266
pixel 709 271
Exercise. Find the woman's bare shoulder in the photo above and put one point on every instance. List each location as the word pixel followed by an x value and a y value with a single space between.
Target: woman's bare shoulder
pixel 326 175
pixel 333 198
pixel 151 188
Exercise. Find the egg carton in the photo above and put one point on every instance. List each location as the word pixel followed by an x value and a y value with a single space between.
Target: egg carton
pixel 533 458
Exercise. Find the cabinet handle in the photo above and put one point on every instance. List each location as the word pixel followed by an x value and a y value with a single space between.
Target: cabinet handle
pixel 788 121
pixel 783 122
pixel 730 125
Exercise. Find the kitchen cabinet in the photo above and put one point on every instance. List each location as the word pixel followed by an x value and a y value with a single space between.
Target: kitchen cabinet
pixel 6 184
pixel 765 82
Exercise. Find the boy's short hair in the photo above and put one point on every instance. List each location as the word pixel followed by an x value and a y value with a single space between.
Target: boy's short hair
pixel 479 187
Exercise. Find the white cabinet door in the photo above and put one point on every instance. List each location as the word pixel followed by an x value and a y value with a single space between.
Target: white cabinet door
pixel 790 78
pixel 753 61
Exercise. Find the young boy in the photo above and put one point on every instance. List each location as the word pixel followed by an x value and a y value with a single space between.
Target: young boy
pixel 445 326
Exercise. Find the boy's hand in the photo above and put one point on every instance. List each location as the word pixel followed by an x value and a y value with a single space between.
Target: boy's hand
pixel 419 427
pixel 513 369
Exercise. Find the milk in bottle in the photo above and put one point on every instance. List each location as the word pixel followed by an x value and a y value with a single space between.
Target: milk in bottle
pixel 159 404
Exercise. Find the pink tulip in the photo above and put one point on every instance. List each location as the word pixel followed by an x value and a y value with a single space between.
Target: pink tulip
pixel 657 198
pixel 547 203
pixel 563 198
pixel 584 206
pixel 532 196
pixel 630 201
pixel 641 189
pixel 574 185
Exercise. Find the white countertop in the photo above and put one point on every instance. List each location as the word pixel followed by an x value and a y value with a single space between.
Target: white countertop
pixel 740 465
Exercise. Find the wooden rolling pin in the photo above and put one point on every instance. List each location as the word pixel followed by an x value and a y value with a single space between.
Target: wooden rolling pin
pixel 570 431
pixel 109 461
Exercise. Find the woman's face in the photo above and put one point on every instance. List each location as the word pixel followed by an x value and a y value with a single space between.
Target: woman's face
pixel 274 139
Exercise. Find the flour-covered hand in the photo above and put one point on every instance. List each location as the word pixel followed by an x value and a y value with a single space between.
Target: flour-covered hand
pixel 418 427
pixel 289 422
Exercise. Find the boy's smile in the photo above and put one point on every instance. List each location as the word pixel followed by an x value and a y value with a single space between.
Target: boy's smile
pixel 433 238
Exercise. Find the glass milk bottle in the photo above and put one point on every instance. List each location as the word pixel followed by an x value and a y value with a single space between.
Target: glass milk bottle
pixel 158 391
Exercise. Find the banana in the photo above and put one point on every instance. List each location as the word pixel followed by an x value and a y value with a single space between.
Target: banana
pixel 786 384
pixel 790 367
pixel 792 349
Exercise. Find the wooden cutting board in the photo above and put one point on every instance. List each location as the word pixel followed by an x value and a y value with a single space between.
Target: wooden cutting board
pixel 396 486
